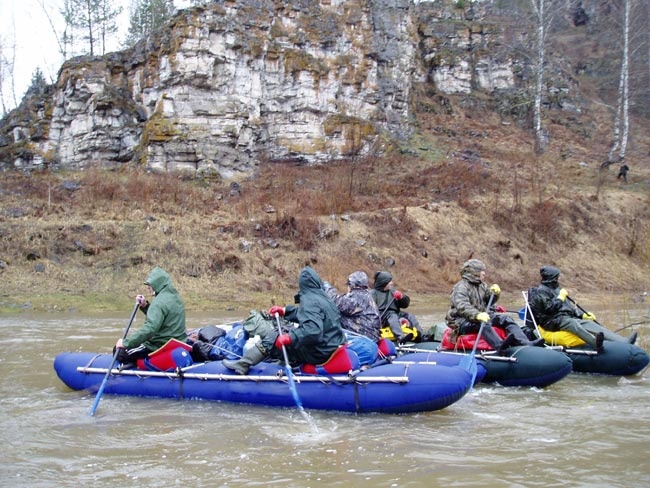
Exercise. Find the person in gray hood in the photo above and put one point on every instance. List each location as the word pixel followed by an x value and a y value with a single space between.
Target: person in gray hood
pixel 359 312
pixel 554 310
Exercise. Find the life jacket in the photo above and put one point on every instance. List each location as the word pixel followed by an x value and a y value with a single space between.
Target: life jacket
pixel 466 341
pixel 173 354
pixel 341 361
pixel 387 333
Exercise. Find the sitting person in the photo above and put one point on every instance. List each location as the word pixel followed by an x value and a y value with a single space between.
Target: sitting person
pixel 554 311
pixel 317 336
pixel 468 308
pixel 390 302
pixel 165 319
pixel 359 312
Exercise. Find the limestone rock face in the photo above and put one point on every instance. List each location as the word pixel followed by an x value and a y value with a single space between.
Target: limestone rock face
pixel 229 84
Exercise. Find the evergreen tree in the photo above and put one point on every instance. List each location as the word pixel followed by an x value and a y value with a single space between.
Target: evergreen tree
pixel 146 17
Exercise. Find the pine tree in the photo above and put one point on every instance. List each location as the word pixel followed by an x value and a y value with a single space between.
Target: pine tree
pixel 146 17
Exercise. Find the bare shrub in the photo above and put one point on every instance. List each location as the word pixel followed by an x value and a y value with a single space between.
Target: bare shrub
pixel 545 222
pixel 300 231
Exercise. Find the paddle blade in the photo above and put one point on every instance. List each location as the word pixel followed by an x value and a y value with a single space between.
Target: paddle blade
pixel 468 363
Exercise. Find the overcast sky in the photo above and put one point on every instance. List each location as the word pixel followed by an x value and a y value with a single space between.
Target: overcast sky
pixel 25 23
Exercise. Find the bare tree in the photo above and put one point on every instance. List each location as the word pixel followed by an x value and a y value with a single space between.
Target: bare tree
pixel 60 38
pixel 621 118
pixel 7 77
pixel 545 12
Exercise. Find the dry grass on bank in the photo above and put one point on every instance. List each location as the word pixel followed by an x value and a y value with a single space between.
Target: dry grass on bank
pixel 468 188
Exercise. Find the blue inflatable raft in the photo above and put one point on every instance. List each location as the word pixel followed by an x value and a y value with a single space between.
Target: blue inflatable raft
pixel 403 387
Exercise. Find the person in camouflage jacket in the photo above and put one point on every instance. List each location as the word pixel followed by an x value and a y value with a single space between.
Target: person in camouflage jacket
pixel 359 312
pixel 468 308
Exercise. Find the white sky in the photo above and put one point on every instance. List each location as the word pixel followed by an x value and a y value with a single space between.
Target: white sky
pixel 24 23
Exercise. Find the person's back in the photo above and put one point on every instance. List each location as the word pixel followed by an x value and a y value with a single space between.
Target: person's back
pixel 320 332
pixel 359 312
pixel 317 336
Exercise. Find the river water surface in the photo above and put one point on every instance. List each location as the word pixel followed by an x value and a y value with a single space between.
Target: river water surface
pixel 585 430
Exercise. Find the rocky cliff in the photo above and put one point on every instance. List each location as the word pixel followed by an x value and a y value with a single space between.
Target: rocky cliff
pixel 232 83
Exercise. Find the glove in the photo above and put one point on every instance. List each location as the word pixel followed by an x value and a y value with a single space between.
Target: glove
pixel 482 317
pixel 588 316
pixel 563 294
pixel 397 295
pixel 282 340
pixel 495 289
pixel 275 309
pixel 499 309
pixel 141 300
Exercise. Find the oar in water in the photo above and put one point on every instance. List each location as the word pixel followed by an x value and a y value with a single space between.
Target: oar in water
pixel 100 392
pixel 468 362
pixel 289 372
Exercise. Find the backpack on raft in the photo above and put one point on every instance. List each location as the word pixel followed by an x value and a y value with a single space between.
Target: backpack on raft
pixel 365 349
pixel 230 345
pixel 215 344
pixel 206 337
pixel 174 354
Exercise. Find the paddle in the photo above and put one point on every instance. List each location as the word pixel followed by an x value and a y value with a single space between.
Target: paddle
pixel 582 310
pixel 292 384
pixel 383 314
pixel 468 362
pixel 643 322
pixel 91 412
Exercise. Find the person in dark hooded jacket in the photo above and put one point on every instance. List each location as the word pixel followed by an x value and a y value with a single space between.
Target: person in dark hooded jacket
pixel 165 319
pixel 314 340
pixel 391 302
pixel 469 307
pixel 554 311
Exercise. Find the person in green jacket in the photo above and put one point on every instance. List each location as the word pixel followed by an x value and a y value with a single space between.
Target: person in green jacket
pixel 165 319
pixel 315 338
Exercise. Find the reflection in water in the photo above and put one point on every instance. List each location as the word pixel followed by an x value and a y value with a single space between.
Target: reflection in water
pixel 583 431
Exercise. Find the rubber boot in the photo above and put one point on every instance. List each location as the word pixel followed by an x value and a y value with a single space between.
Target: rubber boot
pixel 632 338
pixel 509 341
pixel 491 337
pixel 522 338
pixel 252 357
pixel 600 338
